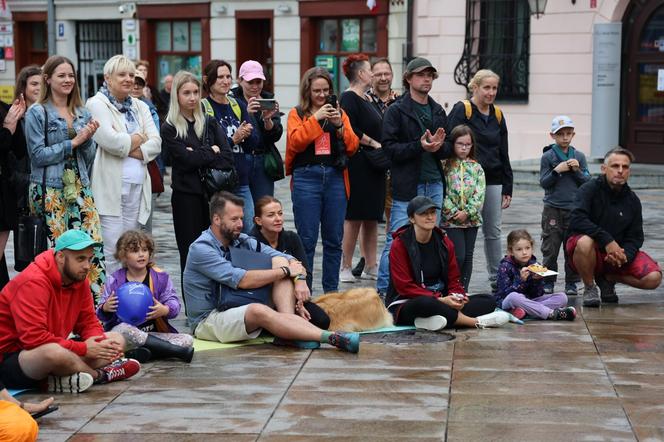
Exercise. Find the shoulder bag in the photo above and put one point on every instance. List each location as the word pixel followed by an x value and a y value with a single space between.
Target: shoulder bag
pixel 31 234
pixel 216 180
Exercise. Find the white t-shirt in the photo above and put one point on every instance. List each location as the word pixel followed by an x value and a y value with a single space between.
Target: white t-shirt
pixel 133 171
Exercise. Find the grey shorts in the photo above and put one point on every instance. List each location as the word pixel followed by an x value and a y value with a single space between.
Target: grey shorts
pixel 226 326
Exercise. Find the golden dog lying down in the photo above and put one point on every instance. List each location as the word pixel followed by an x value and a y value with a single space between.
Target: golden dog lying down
pixel 355 310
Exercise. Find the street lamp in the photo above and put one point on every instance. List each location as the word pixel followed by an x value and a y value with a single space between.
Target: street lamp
pixel 537 7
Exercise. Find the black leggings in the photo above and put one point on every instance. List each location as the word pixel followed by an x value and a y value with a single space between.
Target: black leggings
pixel 318 316
pixel 425 306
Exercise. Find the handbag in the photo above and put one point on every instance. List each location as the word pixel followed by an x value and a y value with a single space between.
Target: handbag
pixel 377 158
pixel 249 260
pixel 216 180
pixel 273 164
pixel 31 234
pixel 156 180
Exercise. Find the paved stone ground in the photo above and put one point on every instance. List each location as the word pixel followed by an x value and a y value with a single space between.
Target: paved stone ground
pixel 598 378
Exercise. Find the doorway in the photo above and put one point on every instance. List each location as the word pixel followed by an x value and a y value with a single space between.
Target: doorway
pixel 643 81
pixel 253 31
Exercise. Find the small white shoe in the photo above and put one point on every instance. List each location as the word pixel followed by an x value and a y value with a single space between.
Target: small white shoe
pixel 370 273
pixel 494 319
pixel 346 275
pixel 431 323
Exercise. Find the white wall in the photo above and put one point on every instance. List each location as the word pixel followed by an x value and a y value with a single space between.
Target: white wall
pixel 560 66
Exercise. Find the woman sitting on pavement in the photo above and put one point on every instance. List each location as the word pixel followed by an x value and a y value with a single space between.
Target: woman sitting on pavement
pixel 269 230
pixel 425 289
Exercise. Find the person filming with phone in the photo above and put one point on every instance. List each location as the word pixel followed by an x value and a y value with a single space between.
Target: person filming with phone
pixel 265 110
pixel 320 140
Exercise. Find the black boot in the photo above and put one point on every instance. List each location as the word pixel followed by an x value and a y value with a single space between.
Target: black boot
pixel 162 349
pixel 141 354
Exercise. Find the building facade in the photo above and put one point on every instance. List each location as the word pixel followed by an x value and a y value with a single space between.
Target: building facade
pixel 599 61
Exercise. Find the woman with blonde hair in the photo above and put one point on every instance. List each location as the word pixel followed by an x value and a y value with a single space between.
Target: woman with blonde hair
pixel 128 140
pixel 487 122
pixel 195 141
pixel 58 131
pixel 320 140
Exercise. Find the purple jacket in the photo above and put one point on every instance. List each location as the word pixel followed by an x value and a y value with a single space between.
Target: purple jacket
pixel 509 280
pixel 163 291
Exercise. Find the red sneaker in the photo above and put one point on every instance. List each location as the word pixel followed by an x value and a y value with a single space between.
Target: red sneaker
pixel 518 313
pixel 118 370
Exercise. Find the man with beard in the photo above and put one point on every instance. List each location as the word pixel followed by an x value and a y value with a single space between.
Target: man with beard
pixel 414 130
pixel 381 91
pixel 227 302
pixel 41 308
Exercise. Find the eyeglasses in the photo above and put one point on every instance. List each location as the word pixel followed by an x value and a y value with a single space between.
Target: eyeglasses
pixel 464 145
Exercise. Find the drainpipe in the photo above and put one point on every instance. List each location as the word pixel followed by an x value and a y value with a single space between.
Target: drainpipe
pixel 51 27
pixel 408 53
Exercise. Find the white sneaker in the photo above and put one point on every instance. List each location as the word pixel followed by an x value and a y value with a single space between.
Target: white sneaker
pixel 495 319
pixel 370 273
pixel 432 323
pixel 346 275
pixel 75 383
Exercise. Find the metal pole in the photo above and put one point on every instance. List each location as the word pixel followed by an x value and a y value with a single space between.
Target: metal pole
pixel 51 27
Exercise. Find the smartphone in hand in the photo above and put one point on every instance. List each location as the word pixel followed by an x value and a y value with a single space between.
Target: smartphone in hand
pixel 267 104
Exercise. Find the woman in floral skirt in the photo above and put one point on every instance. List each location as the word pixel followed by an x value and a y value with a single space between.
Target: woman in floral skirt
pixel 59 134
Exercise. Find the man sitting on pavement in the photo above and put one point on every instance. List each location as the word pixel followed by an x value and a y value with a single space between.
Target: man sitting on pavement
pixel 41 307
pixel 606 227
pixel 211 280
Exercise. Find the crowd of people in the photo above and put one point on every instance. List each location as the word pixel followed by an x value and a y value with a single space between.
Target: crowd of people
pixel 369 155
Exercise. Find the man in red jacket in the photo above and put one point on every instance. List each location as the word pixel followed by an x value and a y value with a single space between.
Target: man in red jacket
pixel 41 308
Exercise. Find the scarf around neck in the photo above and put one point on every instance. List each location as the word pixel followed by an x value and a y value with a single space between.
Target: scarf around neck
pixel 123 106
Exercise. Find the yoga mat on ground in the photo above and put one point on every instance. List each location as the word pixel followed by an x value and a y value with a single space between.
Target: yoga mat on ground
pixel 201 345
pixel 17 392
pixel 394 328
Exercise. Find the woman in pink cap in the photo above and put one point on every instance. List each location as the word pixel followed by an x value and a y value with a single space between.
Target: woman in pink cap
pixel 268 124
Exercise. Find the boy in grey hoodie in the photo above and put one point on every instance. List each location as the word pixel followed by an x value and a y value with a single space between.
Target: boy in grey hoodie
pixel 563 170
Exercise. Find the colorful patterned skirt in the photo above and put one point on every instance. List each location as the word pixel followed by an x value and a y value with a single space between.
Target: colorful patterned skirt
pixel 81 214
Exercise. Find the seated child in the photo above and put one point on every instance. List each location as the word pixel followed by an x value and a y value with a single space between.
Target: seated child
pixel 155 338
pixel 521 291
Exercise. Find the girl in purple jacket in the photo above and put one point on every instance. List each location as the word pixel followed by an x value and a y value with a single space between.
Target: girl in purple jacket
pixel 155 338
pixel 520 290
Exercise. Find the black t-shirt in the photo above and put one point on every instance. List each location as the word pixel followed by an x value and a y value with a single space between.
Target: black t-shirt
pixel 431 265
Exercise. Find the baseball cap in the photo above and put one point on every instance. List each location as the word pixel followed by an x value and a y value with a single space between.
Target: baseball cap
pixel 419 205
pixel 250 70
pixel 561 121
pixel 419 64
pixel 74 240
pixel 138 78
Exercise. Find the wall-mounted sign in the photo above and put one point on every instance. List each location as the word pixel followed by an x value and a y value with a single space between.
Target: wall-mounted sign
pixel 6 28
pixel 7 93
pixel 9 53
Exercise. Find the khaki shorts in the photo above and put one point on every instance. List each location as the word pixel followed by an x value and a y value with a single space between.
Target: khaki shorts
pixel 226 326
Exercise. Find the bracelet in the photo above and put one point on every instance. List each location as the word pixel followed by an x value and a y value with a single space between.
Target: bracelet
pixel 286 271
pixel 299 277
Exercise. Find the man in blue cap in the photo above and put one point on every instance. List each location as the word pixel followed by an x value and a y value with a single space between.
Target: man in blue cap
pixel 41 308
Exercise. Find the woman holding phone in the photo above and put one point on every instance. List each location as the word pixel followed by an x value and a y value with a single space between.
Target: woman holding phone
pixel 320 140
pixel 265 111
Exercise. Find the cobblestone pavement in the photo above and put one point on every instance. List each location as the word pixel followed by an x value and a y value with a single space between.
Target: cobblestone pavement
pixel 598 378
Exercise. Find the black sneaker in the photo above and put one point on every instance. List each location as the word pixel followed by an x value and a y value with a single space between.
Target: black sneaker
pixel 357 270
pixel 564 314
pixel 607 290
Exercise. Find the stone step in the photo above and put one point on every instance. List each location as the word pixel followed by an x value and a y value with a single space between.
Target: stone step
pixel 643 176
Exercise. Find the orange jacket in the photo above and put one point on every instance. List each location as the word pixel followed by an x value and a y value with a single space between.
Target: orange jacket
pixel 302 132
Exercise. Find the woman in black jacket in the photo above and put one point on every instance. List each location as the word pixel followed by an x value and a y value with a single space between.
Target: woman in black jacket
pixel 269 230
pixel 182 134
pixel 491 147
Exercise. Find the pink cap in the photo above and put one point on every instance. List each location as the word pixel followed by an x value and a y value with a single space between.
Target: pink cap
pixel 250 70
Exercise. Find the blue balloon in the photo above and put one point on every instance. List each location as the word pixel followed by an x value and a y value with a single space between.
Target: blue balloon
pixel 134 301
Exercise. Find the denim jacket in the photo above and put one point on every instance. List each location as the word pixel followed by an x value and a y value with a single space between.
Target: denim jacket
pixel 54 155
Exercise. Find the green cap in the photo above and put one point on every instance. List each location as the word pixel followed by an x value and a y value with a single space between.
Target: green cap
pixel 74 240
pixel 419 64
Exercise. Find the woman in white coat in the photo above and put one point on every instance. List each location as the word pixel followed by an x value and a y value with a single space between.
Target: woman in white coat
pixel 127 141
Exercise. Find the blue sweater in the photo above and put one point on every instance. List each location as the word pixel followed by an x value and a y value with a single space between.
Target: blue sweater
pixel 509 280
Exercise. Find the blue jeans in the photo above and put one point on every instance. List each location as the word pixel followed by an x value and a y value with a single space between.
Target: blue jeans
pixel 319 199
pixel 398 218
pixel 248 217
pixel 259 183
